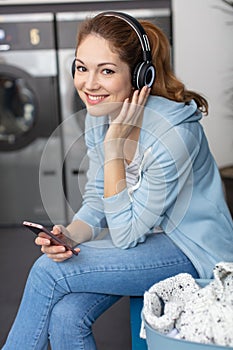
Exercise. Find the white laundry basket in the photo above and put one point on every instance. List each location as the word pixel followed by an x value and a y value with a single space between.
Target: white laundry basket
pixel 158 341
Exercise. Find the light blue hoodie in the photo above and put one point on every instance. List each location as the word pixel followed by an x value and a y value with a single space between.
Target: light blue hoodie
pixel 179 187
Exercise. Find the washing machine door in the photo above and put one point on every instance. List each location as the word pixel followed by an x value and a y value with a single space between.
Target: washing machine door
pixel 18 108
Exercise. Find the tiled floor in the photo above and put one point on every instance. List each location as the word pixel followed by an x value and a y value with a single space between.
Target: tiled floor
pixel 17 254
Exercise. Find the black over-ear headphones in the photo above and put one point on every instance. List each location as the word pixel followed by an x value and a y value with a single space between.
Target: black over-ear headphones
pixel 144 73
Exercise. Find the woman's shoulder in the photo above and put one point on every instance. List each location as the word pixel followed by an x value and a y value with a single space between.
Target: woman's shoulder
pixel 171 111
pixel 162 114
pixel 170 124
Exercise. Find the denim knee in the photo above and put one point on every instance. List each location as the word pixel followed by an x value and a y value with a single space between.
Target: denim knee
pixel 79 311
pixel 43 275
pixel 72 321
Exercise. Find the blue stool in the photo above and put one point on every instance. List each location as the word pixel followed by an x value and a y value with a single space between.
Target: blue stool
pixel 136 304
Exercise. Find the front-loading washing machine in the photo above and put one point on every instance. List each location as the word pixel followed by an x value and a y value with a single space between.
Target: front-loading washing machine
pixel 29 117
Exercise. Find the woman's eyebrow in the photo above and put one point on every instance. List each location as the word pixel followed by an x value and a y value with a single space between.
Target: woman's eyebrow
pixel 98 65
pixel 77 59
pixel 106 63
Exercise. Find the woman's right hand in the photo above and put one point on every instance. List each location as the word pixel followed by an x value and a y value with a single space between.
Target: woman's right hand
pixel 57 253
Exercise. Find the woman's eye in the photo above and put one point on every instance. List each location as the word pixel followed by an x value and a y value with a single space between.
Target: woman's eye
pixel 81 69
pixel 108 71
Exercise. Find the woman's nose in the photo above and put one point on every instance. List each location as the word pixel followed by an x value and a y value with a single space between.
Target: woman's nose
pixel 92 81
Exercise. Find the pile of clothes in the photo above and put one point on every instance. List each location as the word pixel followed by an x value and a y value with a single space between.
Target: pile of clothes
pixel 181 308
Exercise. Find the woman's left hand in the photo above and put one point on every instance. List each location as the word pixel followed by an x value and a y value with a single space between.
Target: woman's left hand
pixel 129 116
pixel 125 127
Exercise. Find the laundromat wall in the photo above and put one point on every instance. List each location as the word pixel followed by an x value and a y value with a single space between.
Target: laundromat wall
pixel 43 160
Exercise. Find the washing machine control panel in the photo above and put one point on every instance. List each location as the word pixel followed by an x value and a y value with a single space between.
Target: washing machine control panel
pixel 29 32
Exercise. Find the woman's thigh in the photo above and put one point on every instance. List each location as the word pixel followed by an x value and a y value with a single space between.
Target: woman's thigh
pixel 120 272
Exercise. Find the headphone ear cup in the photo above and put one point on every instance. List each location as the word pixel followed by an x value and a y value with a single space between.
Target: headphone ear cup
pixel 144 74
pixel 73 68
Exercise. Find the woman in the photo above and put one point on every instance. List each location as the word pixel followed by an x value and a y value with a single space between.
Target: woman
pixel 152 182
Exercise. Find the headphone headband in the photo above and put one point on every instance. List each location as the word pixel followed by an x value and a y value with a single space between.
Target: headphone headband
pixel 138 28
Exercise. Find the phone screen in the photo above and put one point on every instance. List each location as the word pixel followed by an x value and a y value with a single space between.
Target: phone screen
pixel 60 239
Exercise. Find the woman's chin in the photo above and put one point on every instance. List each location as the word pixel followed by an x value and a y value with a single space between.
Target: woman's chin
pixel 103 109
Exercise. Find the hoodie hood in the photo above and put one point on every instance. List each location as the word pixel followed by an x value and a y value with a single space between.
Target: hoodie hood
pixel 161 116
pixel 174 112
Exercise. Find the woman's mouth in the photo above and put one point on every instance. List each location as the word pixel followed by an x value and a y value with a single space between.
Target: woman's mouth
pixel 95 99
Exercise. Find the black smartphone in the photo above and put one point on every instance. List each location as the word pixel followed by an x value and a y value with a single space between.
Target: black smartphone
pixel 60 239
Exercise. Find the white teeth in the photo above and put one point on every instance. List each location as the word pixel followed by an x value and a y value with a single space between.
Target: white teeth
pixel 95 98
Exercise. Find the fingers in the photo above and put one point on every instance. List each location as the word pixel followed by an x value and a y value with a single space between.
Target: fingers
pixel 57 253
pixel 130 116
pixel 123 113
pixel 140 97
pixel 57 229
pixel 138 100
pixel 42 241
pixel 134 109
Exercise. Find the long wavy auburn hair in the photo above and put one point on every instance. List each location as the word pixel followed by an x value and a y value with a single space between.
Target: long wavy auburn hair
pixel 124 41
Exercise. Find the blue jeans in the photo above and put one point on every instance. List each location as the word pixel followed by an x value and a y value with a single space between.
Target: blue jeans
pixel 62 300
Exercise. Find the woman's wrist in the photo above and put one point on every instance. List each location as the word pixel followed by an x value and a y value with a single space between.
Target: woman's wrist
pixel 114 149
pixel 80 231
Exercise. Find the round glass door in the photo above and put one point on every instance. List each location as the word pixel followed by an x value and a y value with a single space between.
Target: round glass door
pixel 17 110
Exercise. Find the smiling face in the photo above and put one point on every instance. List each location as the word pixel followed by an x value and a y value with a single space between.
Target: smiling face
pixel 101 78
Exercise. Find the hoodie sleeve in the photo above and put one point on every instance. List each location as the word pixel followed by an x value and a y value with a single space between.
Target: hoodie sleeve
pixel 163 194
pixel 92 210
